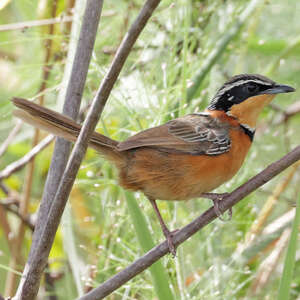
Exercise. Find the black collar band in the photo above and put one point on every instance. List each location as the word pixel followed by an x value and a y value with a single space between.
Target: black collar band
pixel 249 131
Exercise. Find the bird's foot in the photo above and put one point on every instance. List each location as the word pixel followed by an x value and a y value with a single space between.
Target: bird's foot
pixel 216 198
pixel 218 211
pixel 169 237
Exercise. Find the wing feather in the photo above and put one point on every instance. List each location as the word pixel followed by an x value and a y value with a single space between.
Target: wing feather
pixel 195 134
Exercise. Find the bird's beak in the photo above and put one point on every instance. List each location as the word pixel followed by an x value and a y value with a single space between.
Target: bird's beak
pixel 278 89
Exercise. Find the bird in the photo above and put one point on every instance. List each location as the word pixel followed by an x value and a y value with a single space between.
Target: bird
pixel 185 158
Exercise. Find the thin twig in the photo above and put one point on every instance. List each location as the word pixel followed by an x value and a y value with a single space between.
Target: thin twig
pixel 186 232
pixel 44 22
pixel 35 23
pixel 268 266
pixel 288 113
pixel 4 188
pixel 69 10
pixel 8 56
pixel 10 206
pixel 268 207
pixel 293 109
pixel 15 260
pixel 6 228
pixel 10 137
pixel 19 164
pixel 280 222
pixel 264 242
pixel 11 203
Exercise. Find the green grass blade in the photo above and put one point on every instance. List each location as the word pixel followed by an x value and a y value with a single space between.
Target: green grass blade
pixel 69 240
pixel 289 264
pixel 4 267
pixel 158 273
pixel 220 47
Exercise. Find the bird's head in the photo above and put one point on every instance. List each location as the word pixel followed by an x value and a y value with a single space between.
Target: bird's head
pixel 244 96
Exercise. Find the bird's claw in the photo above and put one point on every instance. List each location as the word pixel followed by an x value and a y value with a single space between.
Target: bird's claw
pixel 169 237
pixel 219 213
pixel 216 198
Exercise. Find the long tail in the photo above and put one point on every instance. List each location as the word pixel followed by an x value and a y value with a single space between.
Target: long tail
pixel 62 126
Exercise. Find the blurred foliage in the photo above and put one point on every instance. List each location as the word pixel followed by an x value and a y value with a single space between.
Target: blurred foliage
pixel 151 89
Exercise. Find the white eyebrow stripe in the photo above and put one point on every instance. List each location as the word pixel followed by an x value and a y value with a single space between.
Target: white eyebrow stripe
pixel 240 82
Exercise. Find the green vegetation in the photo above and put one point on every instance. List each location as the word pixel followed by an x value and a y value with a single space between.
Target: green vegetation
pixel 104 228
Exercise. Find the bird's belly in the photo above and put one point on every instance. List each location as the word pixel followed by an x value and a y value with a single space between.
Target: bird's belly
pixel 170 176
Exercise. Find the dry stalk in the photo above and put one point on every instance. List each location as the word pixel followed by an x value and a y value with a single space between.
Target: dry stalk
pixel 22 162
pixel 268 266
pixel 10 137
pixel 6 228
pixel 267 209
pixel 16 261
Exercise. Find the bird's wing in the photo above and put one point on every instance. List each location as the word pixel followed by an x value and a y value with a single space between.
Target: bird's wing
pixel 194 134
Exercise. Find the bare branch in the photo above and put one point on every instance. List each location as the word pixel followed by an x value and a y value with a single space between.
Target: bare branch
pixel 35 23
pixel 43 22
pixel 288 113
pixel 19 164
pixel 9 205
pixel 10 137
pixel 4 188
pixel 186 232
pixel 6 228
pixel 12 202
pixel 293 109
pixel 11 278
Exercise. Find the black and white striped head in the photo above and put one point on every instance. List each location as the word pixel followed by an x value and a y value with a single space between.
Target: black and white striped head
pixel 244 86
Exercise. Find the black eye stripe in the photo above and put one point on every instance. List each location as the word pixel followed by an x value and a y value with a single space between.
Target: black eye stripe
pixel 237 91
pixel 252 86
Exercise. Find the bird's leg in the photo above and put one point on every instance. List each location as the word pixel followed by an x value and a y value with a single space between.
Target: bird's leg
pixel 168 235
pixel 216 198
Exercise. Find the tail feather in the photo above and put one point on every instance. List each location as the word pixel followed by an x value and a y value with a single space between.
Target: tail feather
pixel 62 126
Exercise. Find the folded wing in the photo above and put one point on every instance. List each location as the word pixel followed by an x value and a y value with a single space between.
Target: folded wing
pixel 195 134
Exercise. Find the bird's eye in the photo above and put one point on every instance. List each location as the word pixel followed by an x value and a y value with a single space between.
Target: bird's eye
pixel 252 88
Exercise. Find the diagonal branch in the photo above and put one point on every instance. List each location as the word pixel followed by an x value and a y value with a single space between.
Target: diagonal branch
pixel 186 232
pixel 19 164
pixel 10 137
pixel 9 206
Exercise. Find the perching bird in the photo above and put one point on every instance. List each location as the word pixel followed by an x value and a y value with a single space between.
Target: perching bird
pixel 185 157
